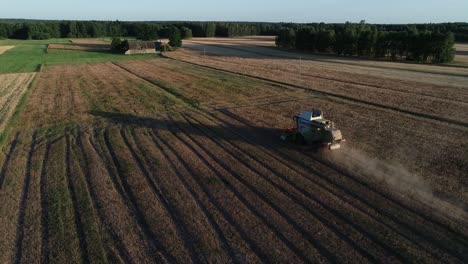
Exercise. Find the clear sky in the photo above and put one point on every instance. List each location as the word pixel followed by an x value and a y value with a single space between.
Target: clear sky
pixel 373 11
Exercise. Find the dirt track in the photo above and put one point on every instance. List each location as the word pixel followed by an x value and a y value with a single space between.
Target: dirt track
pixel 5 48
pixel 163 161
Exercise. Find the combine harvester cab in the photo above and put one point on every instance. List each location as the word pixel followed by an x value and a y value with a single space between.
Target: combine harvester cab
pixel 311 128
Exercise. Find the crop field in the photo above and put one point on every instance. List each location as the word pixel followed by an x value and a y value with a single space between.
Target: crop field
pixel 461 56
pixel 178 159
pixel 12 88
pixel 27 56
pixel 77 47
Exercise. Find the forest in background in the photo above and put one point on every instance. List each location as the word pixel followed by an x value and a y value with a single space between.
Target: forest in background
pixel 413 42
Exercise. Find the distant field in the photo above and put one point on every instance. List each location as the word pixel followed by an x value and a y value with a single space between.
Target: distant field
pixel 12 88
pixel 28 55
pixel 461 54
pixel 249 48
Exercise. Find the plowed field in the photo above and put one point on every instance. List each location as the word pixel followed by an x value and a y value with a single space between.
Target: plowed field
pixel 165 161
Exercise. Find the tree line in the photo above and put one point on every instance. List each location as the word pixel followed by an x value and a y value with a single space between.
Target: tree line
pixel 26 29
pixel 361 39
pixel 41 29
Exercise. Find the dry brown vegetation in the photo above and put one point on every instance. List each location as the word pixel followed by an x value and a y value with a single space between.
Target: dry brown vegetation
pixel 12 87
pixel 79 46
pixel 5 48
pixel 250 48
pixel 461 53
pixel 165 161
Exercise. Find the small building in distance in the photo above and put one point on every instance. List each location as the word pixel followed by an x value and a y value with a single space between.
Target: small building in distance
pixel 163 46
pixel 140 47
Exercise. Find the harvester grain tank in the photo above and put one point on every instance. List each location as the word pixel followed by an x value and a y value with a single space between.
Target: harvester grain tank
pixel 312 128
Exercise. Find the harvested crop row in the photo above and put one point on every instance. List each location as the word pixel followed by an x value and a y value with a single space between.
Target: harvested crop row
pixel 264 151
pixel 12 183
pixel 264 239
pixel 12 88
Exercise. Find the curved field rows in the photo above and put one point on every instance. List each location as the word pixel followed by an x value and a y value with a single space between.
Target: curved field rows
pixel 161 162
pixel 375 130
pixel 174 185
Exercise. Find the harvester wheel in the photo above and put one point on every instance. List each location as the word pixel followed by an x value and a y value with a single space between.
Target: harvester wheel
pixel 299 139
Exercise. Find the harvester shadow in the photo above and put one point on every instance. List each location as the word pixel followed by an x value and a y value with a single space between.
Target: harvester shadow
pixel 271 135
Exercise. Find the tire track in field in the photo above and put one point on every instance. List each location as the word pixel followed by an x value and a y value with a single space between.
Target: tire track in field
pixel 363 210
pixel 174 216
pixel 442 228
pixel 427 117
pixel 266 144
pixel 6 163
pixel 24 198
pixel 342 234
pixel 44 205
pixel 311 198
pixel 162 144
pixel 211 222
pixel 458 250
pixel 363 205
pixel 164 148
pixel 284 239
pixel 135 213
pixel 123 252
pixel 76 212
pixel 128 196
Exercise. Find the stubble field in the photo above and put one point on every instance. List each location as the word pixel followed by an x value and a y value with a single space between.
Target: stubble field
pixel 165 161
